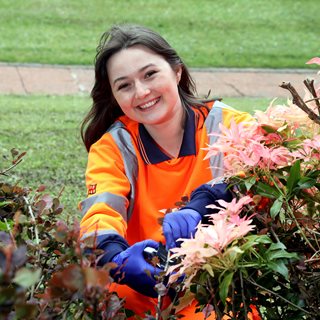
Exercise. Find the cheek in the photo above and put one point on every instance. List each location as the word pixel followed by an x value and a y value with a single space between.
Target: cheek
pixel 124 102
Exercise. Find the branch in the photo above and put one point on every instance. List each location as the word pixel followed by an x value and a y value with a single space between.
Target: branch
pixel 310 86
pixel 4 172
pixel 277 295
pixel 297 100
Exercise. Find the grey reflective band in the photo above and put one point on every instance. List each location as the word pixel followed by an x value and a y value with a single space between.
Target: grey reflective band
pixel 116 202
pixel 212 122
pixel 123 139
pixel 98 233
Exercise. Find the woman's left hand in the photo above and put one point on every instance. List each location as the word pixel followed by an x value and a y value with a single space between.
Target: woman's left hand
pixel 179 224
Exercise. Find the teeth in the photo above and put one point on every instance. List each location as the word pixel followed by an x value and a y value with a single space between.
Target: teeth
pixel 149 104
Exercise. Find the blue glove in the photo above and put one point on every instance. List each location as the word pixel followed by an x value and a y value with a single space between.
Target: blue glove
pixel 179 224
pixel 134 270
pixel 182 223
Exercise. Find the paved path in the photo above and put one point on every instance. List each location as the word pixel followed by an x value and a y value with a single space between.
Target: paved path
pixel 25 79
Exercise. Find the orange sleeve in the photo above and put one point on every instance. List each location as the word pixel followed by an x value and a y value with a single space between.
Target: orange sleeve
pixel 108 188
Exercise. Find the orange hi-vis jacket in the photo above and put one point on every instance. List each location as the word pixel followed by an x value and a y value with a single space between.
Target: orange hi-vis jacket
pixel 130 180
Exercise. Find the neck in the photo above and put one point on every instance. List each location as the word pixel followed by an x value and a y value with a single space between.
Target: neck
pixel 169 135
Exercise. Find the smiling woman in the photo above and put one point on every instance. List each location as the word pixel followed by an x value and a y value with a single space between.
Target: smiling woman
pixel 146 133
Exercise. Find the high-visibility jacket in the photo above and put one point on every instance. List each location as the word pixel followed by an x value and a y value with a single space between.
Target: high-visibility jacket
pixel 131 181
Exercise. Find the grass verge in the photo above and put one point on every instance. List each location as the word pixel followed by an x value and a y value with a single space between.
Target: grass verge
pixel 255 33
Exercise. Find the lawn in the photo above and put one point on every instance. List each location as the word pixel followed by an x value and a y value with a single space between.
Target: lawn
pixel 47 128
pixel 255 33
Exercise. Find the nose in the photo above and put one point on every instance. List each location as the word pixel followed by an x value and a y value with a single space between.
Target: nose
pixel 142 89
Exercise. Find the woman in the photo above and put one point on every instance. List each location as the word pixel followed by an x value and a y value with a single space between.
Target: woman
pixel 145 135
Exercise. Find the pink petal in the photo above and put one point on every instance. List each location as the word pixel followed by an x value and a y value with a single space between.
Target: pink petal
pixel 315 60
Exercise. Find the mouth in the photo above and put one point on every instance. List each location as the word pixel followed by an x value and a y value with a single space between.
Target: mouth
pixel 149 104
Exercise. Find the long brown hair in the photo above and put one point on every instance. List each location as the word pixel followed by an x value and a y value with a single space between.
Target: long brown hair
pixel 105 110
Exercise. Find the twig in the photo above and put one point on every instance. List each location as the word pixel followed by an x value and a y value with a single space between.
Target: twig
pixel 10 233
pixel 160 296
pixel 277 295
pixel 310 86
pixel 298 101
pixel 3 172
pixel 232 299
pixel 33 219
pixel 313 99
pixel 243 297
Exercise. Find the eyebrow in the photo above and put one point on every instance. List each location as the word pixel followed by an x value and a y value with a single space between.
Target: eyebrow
pixel 140 70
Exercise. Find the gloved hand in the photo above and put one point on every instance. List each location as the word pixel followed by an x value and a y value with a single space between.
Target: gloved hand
pixel 179 224
pixel 182 223
pixel 134 270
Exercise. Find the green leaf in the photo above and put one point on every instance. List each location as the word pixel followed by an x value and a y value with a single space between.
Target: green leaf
pixel 276 207
pixel 306 183
pixel 267 191
pixel 26 277
pixel 249 183
pixel 254 239
pixel 279 267
pixel 4 226
pixel 5 203
pixel 209 269
pixel 294 177
pixel 277 246
pixel 224 286
pixel 282 254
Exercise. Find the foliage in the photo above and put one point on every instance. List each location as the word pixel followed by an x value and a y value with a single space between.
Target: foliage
pixel 260 256
pixel 45 272
pixel 205 33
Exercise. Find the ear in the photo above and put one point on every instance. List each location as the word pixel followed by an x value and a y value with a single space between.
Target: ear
pixel 178 73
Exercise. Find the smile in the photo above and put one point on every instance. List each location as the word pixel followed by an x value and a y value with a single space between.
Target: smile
pixel 149 104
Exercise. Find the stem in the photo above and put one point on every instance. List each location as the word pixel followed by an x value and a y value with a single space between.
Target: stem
pixel 10 232
pixel 233 309
pixel 310 86
pixel 277 295
pixel 292 216
pixel 3 172
pixel 243 297
pixel 33 220
pixel 36 236
pixel 314 99
pixel 159 301
pixel 299 227
pixel 298 101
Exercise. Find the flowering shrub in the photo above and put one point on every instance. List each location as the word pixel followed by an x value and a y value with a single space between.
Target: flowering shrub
pixel 260 257
pixel 45 272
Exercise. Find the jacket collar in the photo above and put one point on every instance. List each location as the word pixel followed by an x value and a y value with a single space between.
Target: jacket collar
pixel 152 154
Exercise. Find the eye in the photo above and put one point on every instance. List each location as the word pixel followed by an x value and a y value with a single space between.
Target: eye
pixel 123 86
pixel 150 73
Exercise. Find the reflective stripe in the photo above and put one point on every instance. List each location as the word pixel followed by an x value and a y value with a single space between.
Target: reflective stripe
pixel 212 122
pixel 123 139
pixel 116 202
pixel 99 233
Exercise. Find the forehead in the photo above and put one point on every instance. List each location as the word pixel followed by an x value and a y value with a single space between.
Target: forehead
pixel 130 60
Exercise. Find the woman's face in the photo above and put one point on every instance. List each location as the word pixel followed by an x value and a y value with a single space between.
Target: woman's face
pixel 144 85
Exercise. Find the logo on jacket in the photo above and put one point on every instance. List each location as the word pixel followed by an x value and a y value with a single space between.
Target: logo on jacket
pixel 92 188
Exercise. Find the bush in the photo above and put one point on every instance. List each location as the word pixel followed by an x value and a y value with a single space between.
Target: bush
pixel 45 272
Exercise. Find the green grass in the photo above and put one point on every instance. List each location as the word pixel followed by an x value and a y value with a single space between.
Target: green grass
pixel 206 33
pixel 47 128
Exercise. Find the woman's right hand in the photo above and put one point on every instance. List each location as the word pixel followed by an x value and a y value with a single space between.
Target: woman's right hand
pixel 134 271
